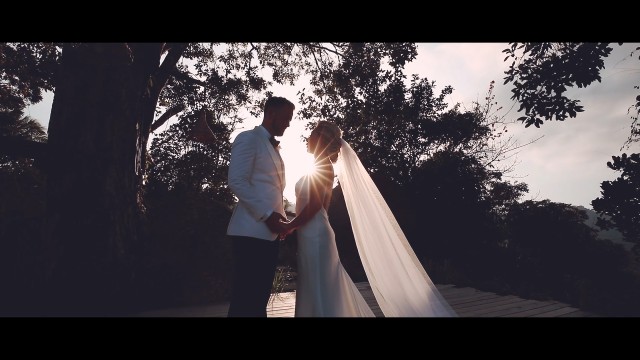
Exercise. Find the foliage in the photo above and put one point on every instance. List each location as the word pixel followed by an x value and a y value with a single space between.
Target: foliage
pixel 230 77
pixel 383 120
pixel 553 253
pixel 635 112
pixel 542 72
pixel 26 70
pixel 178 162
pixel 22 207
pixel 185 257
pixel 22 190
pixel 449 189
pixel 620 199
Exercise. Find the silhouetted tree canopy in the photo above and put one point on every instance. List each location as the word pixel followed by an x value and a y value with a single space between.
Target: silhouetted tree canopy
pixel 553 251
pixel 26 70
pixel 542 72
pixel 620 199
pixel 177 161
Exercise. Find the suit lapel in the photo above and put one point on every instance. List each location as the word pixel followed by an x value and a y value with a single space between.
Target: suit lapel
pixel 277 160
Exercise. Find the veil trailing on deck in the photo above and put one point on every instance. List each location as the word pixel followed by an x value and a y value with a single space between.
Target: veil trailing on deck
pixel 400 284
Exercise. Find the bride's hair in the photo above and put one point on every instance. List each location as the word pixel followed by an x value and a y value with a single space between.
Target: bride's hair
pixel 329 136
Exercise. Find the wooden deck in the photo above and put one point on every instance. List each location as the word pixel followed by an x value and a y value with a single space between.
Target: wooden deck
pixel 467 302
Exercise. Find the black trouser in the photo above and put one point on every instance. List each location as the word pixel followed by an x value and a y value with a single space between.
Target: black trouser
pixel 255 263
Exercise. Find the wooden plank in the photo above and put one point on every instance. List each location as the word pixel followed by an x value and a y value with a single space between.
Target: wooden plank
pixel 503 309
pixel 287 304
pixel 537 310
pixel 579 313
pixel 484 304
pixel 473 298
pixel 513 308
pixel 460 299
pixel 493 304
pixel 555 313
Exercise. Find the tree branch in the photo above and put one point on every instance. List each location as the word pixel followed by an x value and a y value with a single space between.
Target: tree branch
pixel 166 116
pixel 168 66
pixel 201 132
pixel 160 77
pixel 324 48
pixel 186 78
pixel 319 69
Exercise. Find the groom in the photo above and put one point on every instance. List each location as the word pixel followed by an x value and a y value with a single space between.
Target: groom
pixel 256 177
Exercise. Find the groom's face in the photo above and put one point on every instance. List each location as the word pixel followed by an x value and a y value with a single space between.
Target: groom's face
pixel 282 120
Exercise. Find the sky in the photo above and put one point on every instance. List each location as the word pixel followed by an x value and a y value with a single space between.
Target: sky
pixel 566 165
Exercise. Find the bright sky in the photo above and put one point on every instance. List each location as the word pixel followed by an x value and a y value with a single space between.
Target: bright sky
pixel 567 165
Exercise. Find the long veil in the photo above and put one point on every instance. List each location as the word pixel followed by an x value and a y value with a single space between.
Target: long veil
pixel 400 284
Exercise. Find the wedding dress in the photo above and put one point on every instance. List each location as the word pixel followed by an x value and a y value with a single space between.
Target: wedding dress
pixel 323 287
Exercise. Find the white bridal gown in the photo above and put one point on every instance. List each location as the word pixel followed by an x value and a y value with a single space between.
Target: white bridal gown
pixel 324 288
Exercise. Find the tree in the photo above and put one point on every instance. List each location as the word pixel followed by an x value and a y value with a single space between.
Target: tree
pixel 635 125
pixel 542 72
pixel 26 70
pixel 620 199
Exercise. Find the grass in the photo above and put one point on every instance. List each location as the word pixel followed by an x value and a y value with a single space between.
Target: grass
pixel 280 283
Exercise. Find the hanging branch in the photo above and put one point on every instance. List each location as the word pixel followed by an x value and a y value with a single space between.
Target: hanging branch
pixel 325 48
pixel 166 116
pixel 186 78
pixel 201 132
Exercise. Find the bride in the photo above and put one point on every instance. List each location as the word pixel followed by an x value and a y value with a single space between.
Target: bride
pixel 400 284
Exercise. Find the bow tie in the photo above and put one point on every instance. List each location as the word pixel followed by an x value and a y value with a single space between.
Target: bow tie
pixel 274 142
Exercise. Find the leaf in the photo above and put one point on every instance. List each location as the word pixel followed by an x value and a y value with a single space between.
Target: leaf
pixel 538 122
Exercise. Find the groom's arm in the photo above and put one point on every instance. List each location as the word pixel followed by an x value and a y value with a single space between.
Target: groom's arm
pixel 243 153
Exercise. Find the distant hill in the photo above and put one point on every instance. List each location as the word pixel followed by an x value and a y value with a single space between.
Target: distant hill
pixel 614 235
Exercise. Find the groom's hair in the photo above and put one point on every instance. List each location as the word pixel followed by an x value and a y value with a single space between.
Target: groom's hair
pixel 275 102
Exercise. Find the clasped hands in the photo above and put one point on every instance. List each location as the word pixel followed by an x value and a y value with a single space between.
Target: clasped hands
pixel 280 225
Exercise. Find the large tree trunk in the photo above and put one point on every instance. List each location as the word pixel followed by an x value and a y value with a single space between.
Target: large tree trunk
pixel 99 124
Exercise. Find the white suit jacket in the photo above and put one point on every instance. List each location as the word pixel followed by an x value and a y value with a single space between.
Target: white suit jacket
pixel 256 177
